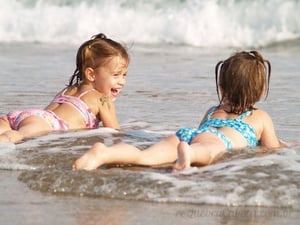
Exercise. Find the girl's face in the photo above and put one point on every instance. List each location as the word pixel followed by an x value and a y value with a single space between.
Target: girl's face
pixel 110 78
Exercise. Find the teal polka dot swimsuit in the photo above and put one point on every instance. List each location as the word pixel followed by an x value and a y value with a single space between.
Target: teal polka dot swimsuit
pixel 211 125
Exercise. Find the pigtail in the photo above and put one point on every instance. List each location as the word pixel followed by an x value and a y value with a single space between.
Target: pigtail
pixel 267 62
pixel 217 74
pixel 77 76
pixel 267 66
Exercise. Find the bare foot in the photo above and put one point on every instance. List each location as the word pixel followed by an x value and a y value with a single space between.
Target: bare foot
pixel 184 157
pixel 91 159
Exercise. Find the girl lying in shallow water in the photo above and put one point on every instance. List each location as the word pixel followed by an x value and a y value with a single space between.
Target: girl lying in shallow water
pixel 101 67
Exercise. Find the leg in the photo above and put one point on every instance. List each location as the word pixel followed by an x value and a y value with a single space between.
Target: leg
pixel 30 127
pixel 5 130
pixel 184 151
pixel 201 153
pixel 159 153
pixel 4 125
pixel 11 136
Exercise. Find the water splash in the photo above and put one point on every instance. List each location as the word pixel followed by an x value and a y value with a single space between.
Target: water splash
pixel 227 23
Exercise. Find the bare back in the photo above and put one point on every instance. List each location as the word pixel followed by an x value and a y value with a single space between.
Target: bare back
pixel 79 107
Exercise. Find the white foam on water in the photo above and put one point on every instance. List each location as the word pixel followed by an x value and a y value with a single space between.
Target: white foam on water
pixel 254 181
pixel 227 23
pixel 81 134
pixel 6 147
pixel 9 159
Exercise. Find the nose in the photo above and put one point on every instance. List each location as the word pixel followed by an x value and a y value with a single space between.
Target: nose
pixel 122 81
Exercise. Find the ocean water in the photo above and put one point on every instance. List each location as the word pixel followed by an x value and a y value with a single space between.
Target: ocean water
pixel 214 23
pixel 170 84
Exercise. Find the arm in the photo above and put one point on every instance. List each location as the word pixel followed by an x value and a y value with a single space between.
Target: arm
pixel 268 136
pixel 107 113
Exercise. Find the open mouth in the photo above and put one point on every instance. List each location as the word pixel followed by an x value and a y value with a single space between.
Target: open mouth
pixel 114 92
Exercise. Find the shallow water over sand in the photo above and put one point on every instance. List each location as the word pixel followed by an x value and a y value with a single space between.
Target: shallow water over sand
pixel 167 88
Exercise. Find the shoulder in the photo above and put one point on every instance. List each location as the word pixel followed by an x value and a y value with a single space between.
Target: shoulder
pixel 105 99
pixel 261 114
pixel 260 118
pixel 211 110
pixel 93 99
pixel 208 114
pixel 62 91
pixel 105 103
pixel 268 137
pixel 88 95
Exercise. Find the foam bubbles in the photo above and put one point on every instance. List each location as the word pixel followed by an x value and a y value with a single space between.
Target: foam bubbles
pixel 197 23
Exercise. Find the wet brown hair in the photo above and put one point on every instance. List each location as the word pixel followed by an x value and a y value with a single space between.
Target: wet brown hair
pixel 95 53
pixel 242 79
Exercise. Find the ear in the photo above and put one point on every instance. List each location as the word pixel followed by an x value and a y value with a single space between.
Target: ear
pixel 89 74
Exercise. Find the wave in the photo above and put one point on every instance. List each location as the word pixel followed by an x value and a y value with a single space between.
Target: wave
pixel 215 23
pixel 249 177
pixel 268 181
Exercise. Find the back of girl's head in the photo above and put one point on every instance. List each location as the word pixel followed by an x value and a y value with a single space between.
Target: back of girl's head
pixel 243 79
pixel 95 53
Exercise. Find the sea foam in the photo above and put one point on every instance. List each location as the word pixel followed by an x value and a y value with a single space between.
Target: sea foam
pixel 201 23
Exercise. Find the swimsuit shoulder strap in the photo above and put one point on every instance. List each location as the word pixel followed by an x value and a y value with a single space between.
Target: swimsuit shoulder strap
pixel 86 92
pixel 245 114
pixel 90 119
pixel 82 94
pixel 211 111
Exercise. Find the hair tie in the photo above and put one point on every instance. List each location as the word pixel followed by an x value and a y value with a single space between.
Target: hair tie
pixel 253 54
pixel 102 36
pixel 99 36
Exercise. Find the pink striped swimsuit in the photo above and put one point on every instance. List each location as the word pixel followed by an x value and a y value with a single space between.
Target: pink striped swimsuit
pixel 56 123
pixel 91 121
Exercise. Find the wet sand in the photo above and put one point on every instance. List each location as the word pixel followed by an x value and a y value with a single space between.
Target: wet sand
pixel 28 207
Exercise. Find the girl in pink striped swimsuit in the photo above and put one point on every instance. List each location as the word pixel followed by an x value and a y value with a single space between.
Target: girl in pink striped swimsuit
pixel 101 67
